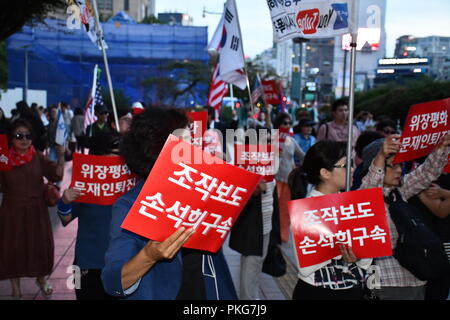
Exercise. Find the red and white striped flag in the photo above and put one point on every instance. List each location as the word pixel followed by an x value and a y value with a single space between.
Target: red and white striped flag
pixel 218 90
pixel 94 98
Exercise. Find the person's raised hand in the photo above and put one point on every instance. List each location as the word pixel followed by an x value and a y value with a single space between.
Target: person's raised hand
pixel 347 254
pixel 445 141
pixel 391 145
pixel 70 195
pixel 167 249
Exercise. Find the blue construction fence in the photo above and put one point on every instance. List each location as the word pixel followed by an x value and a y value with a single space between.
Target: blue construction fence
pixel 61 61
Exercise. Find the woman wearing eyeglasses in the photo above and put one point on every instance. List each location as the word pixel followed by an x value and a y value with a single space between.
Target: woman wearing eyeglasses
pixel 398 283
pixel 26 238
pixel 339 278
pixel 288 149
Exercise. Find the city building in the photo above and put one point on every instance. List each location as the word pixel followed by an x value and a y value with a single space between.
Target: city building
pixel 176 18
pixel 400 70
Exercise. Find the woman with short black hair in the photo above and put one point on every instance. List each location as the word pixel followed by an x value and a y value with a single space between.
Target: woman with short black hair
pixel 339 278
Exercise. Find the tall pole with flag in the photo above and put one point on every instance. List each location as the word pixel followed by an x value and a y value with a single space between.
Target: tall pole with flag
pixel 320 19
pixel 230 68
pixel 105 60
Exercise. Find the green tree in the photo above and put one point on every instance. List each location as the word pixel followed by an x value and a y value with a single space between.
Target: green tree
pixel 394 100
pixel 14 14
pixel 151 19
pixel 122 101
pixel 182 77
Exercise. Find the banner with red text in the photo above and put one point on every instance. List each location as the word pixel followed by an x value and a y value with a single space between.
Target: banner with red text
pixel 102 179
pixel 425 125
pixel 259 159
pixel 190 188
pixel 198 126
pixel 357 219
pixel 5 164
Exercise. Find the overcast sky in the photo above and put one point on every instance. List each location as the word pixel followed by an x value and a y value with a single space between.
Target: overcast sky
pixel 416 17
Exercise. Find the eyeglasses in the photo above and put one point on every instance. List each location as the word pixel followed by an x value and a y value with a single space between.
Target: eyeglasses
pixel 21 136
pixel 344 165
pixel 287 123
pixel 389 131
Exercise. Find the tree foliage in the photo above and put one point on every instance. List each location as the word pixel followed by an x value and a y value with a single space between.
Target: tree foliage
pixel 3 66
pixel 394 100
pixel 178 78
pixel 14 14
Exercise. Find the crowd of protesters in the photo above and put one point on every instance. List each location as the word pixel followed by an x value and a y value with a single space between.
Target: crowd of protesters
pixel 122 265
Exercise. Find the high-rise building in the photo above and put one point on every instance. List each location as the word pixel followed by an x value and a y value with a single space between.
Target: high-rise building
pixel 175 18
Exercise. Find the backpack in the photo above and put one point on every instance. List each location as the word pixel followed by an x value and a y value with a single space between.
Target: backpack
pixel 418 249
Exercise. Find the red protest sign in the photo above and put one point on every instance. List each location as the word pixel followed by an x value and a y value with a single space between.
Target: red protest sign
pixel 102 179
pixel 356 219
pixel 259 159
pixel 270 92
pixel 425 125
pixel 198 126
pixel 204 195
pixel 5 164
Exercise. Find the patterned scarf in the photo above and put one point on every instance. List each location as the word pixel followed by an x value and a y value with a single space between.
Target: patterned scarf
pixel 18 160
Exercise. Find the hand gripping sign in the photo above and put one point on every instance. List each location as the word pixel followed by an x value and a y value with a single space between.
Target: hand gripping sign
pixel 5 164
pixel 203 195
pixel 102 179
pixel 357 219
pixel 425 125
pixel 198 126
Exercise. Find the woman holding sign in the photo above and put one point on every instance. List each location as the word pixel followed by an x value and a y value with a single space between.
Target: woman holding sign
pixel 397 282
pixel 339 278
pixel 26 235
pixel 142 269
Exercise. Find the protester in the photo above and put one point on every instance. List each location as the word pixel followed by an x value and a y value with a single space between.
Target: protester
pixel 364 121
pixel 138 268
pixel 25 112
pixel 339 278
pixel 93 227
pixel 101 125
pixel 26 236
pixel 125 117
pixel 434 205
pixel 397 283
pixel 337 130
pixel 289 149
pixel 364 140
pixel 51 133
pixel 304 137
pixel 77 125
pixel 386 127
pixel 251 233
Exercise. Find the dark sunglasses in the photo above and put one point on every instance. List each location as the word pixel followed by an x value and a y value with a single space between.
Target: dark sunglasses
pixel 389 131
pixel 287 123
pixel 21 136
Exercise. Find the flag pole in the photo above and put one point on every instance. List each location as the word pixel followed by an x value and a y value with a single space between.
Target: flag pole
pixel 245 63
pixel 105 60
pixel 351 103
pixel 232 96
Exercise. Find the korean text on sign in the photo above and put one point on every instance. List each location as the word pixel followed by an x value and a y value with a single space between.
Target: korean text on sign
pixel 102 179
pixel 205 197
pixel 356 219
pixel 425 125
pixel 198 126
pixel 259 159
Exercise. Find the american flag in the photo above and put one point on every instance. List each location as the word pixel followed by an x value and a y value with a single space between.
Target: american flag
pixel 257 90
pixel 218 90
pixel 95 97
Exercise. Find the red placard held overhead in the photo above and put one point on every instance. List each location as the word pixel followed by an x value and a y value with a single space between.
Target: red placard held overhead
pixel 5 164
pixel 357 219
pixel 271 95
pixel 259 159
pixel 425 125
pixel 102 179
pixel 194 193
pixel 198 126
